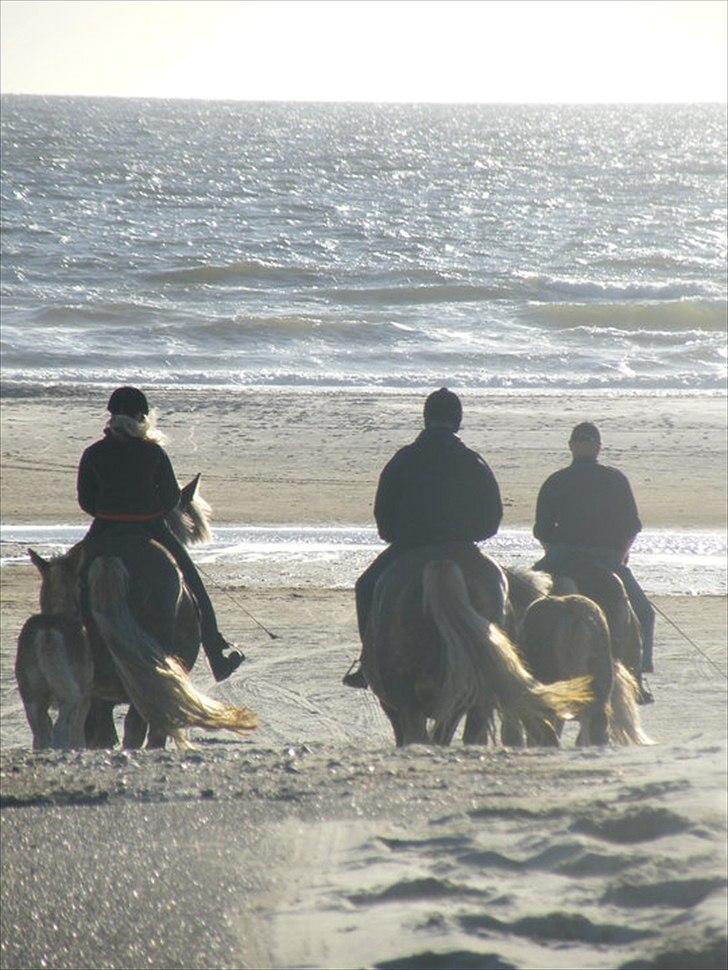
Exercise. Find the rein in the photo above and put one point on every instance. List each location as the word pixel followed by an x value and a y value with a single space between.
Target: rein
pixel 273 636
pixel 690 641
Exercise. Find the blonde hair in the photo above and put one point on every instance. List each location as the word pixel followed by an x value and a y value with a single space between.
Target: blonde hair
pixel 144 426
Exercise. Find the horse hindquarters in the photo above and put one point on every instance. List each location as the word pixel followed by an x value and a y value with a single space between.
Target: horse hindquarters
pixel 157 685
pixel 483 667
pixel 54 667
pixel 566 637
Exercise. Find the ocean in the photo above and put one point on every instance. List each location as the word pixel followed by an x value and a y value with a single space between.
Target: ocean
pixel 196 244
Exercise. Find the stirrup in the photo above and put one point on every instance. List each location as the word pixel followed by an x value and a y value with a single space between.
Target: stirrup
pixel 645 696
pixel 355 678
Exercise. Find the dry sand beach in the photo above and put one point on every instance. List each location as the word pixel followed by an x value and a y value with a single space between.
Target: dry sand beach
pixel 275 456
pixel 314 843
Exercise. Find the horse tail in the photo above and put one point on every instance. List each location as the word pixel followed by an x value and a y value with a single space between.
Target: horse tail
pixel 569 633
pixel 624 718
pixel 158 685
pixel 482 663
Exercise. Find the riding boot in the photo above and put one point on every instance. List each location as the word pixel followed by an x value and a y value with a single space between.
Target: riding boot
pixel 220 665
pixel 355 677
pixel 645 695
pixel 213 642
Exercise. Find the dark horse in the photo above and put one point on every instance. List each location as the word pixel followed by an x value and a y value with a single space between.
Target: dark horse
pixel 143 630
pixel 434 651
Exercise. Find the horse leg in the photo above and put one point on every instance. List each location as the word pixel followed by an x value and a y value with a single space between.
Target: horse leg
pixel 76 724
pixel 414 727
pixel 511 731
pixel 68 731
pixel 156 739
pixel 73 706
pixel 135 729
pixel 594 727
pixel 394 721
pixel 60 733
pixel 444 730
pixel 477 726
pixel 36 710
pixel 100 729
pixel 547 734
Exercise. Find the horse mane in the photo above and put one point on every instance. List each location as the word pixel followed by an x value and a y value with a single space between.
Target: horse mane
pixel 190 519
pixel 525 585
pixel 59 579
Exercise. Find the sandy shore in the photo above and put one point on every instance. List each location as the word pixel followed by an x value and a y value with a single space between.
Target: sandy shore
pixel 279 456
pixel 288 849
pixel 314 843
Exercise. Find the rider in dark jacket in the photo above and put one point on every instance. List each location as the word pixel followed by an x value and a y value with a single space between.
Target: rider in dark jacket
pixel 126 482
pixel 433 490
pixel 587 510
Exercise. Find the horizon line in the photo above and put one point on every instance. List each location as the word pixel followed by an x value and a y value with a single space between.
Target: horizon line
pixel 221 100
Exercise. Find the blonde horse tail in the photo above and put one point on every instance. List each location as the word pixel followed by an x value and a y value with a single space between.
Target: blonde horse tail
pixel 157 685
pixel 624 718
pixel 482 663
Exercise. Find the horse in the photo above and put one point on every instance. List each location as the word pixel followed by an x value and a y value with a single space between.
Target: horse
pixel 144 633
pixel 607 590
pixel 54 668
pixel 432 651
pixel 568 635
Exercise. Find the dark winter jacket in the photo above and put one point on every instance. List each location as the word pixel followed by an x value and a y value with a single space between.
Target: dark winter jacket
pixel 436 490
pixel 126 479
pixel 587 504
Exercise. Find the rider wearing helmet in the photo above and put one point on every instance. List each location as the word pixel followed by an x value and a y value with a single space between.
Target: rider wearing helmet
pixel 126 482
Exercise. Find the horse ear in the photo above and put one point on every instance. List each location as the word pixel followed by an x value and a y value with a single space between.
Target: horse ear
pixel 38 561
pixel 188 493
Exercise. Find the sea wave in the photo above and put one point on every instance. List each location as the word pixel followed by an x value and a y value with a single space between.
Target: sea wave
pixel 277 244
pixel 669 562
pixel 432 293
pixel 661 315
pixel 548 287
pixel 234 272
pixel 618 378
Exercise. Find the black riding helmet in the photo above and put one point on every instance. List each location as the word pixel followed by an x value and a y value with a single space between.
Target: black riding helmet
pixel 129 401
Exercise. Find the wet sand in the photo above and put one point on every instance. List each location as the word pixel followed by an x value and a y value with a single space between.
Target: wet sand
pixel 314 842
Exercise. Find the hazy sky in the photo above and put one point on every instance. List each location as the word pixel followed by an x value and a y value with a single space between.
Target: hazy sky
pixel 368 50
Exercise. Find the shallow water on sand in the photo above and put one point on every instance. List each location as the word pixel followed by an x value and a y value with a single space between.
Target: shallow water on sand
pixel 667 562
